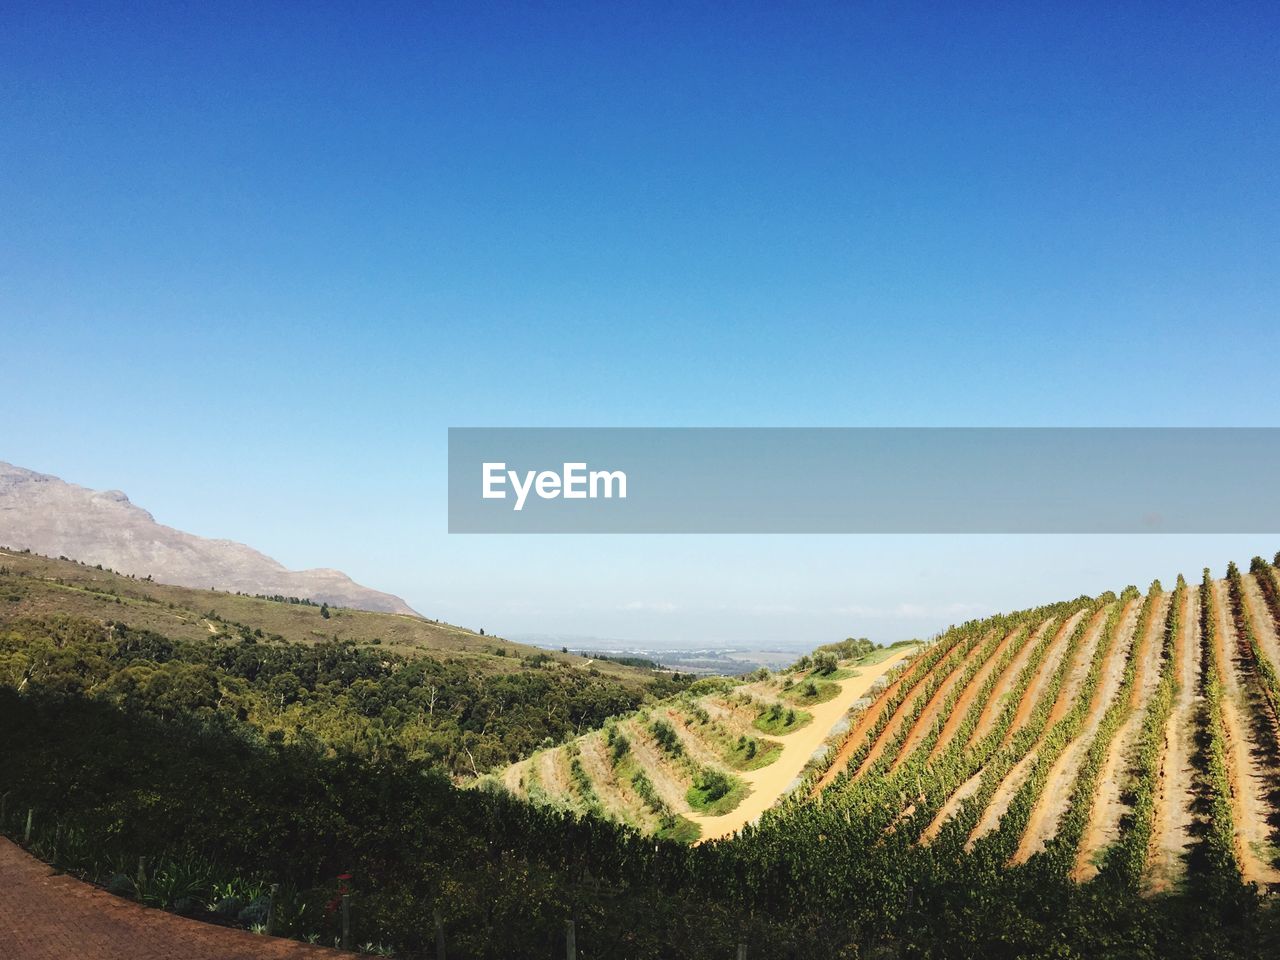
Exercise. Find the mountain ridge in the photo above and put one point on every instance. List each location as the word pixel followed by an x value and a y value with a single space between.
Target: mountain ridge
pixel 46 514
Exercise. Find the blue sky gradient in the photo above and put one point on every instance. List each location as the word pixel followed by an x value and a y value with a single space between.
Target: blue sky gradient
pixel 257 258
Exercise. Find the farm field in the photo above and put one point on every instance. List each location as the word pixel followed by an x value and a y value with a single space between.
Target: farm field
pixel 1131 735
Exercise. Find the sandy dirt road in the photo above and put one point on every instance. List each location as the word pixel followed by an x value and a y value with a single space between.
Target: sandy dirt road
pixel 769 783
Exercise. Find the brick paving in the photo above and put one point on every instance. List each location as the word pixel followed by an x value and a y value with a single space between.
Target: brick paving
pixel 48 916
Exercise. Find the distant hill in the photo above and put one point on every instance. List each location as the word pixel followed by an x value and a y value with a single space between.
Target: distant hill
pixel 37 587
pixel 46 515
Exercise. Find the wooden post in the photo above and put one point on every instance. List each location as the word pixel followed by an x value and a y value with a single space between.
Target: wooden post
pixel 570 941
pixel 742 951
pixel 435 915
pixel 26 834
pixel 346 921
pixel 271 909
pixel 142 874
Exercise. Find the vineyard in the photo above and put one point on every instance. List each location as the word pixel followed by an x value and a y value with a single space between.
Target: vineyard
pixel 1131 736
pixel 704 763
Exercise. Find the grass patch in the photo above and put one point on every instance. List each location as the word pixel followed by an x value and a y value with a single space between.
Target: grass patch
pixel 779 720
pixel 715 792
pixel 752 753
pixel 810 691
pixel 841 673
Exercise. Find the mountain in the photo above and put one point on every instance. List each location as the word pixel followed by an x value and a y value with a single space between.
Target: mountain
pixel 47 515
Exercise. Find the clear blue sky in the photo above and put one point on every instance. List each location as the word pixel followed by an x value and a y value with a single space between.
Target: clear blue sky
pixel 255 259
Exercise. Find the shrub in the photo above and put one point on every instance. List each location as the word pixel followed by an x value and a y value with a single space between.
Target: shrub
pixel 667 737
pixel 825 663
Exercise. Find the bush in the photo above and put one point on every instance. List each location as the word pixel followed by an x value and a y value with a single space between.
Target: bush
pixel 712 792
pixel 825 663
pixel 667 737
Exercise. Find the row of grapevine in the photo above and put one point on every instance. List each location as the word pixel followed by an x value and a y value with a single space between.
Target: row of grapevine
pixel 1064 849
pixel 956 770
pixel 1013 746
pixel 1245 631
pixel 1003 843
pixel 1265 575
pixel 928 724
pixel 1127 859
pixel 886 709
pixel 932 782
pixel 884 752
pixel 955 713
pixel 1219 844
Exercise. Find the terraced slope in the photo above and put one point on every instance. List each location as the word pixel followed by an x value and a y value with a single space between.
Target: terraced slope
pixel 708 762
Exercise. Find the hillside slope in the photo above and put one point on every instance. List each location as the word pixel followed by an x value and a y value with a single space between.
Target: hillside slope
pixel 705 763
pixel 1129 736
pixel 369 683
pixel 47 515
pixel 33 586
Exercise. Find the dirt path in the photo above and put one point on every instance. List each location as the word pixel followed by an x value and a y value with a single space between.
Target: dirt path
pixel 769 783
pixel 47 916
pixel 1109 806
pixel 513 778
pixel 929 715
pixel 1251 759
pixel 1056 795
pixel 1077 670
pixel 1173 820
